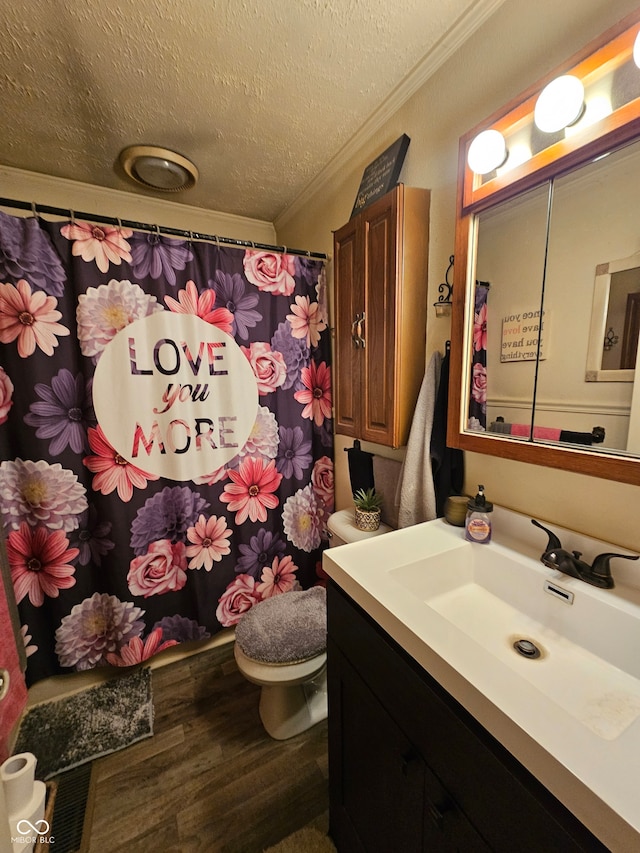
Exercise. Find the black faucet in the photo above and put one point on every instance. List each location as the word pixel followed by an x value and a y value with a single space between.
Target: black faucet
pixel 555 557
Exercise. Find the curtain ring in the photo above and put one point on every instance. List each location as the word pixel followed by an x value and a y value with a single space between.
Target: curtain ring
pixel 284 250
pixel 215 237
pixel 253 245
pixel 72 217
pixel 119 221
pixel 34 211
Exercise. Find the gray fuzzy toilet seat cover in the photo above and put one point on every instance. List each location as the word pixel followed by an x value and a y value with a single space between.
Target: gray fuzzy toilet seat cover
pixel 287 628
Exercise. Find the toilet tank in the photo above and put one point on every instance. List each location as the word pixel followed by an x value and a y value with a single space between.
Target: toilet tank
pixel 342 527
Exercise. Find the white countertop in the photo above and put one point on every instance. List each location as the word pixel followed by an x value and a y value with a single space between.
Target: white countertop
pixel 596 777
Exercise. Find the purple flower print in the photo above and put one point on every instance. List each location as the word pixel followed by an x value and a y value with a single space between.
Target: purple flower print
pixel 295 353
pixel 181 629
pixel 230 294
pixel 260 552
pixel 95 627
pixel 26 252
pixel 156 256
pixel 166 515
pixel 91 537
pixel 64 412
pixel 294 453
pixel 307 269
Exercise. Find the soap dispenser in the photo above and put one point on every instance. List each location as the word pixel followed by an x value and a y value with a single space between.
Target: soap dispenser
pixel 478 521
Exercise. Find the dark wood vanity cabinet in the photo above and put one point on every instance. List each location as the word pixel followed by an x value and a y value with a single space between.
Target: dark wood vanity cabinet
pixel 380 292
pixel 410 770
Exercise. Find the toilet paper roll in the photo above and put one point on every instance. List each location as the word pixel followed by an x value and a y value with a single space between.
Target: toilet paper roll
pixel 29 822
pixel 5 833
pixel 17 775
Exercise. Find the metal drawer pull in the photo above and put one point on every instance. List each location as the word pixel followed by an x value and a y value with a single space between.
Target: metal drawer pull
pixel 354 335
pixel 360 330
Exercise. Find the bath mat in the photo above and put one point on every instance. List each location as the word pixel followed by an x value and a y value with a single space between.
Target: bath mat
pixel 71 731
pixel 309 839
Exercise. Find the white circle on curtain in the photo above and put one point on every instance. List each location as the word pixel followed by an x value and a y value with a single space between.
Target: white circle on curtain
pixel 175 396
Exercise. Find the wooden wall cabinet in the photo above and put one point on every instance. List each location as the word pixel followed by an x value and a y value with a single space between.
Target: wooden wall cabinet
pixel 411 770
pixel 380 296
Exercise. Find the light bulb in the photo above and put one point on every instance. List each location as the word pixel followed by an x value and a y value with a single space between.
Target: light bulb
pixel 559 104
pixel 487 152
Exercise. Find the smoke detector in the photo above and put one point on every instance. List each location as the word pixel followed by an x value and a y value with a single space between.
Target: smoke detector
pixel 158 168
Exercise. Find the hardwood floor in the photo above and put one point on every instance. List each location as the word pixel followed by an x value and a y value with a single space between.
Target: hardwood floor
pixel 210 780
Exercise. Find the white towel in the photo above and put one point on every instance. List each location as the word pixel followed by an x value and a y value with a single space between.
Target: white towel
pixel 416 495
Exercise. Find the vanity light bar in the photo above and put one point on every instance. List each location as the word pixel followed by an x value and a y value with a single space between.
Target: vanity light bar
pixel 568 105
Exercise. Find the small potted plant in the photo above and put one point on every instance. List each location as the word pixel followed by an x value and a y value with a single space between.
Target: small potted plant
pixel 368 504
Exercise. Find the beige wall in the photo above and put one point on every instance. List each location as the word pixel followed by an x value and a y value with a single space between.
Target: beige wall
pixel 19 185
pixel 523 41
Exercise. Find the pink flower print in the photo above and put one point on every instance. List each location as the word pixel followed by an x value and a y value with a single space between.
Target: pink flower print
pixel 29 648
pixel 6 395
pixel 322 481
pixel 306 321
pixel 135 651
pixel 103 244
pixel 112 470
pixel 40 563
pixel 316 394
pixel 479 383
pixel 238 597
pixel 29 317
pixel 270 271
pixel 213 477
pixel 281 577
pixel 202 305
pixel 268 366
pixel 251 492
pixel 209 538
pixel 480 329
pixel 162 569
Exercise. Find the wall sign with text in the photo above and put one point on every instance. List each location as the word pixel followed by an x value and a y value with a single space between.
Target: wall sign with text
pixel 382 174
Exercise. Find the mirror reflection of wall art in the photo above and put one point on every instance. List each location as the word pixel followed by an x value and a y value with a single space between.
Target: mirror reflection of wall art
pixel 615 321
pixel 522 334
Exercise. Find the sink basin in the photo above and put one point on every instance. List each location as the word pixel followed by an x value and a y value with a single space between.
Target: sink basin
pixel 493 596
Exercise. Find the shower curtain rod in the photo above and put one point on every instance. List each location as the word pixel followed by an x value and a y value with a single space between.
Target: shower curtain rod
pixel 159 229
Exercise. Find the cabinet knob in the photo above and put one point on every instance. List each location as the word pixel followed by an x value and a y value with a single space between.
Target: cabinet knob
pixel 410 760
pixel 437 812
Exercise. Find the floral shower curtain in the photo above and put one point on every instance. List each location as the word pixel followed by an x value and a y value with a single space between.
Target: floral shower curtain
pixel 478 394
pixel 165 436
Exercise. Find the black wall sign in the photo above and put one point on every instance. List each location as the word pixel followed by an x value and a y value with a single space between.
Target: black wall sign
pixel 382 174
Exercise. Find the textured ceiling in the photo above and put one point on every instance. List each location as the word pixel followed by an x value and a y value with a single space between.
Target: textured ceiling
pixel 260 94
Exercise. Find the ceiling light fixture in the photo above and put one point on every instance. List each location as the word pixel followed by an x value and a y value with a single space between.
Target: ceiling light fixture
pixel 560 104
pixel 158 168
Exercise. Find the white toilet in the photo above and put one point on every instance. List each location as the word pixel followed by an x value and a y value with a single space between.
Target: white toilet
pixel 281 645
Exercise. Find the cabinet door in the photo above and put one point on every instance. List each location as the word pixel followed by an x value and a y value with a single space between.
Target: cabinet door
pixel 377 778
pixel 380 234
pixel 348 305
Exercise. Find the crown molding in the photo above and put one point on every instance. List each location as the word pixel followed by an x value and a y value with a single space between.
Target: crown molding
pixel 453 39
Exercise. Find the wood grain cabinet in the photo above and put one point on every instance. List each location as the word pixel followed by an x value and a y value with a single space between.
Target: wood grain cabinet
pixel 411 770
pixel 380 287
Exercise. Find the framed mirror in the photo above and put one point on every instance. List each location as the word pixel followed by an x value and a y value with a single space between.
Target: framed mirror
pixel 547 277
